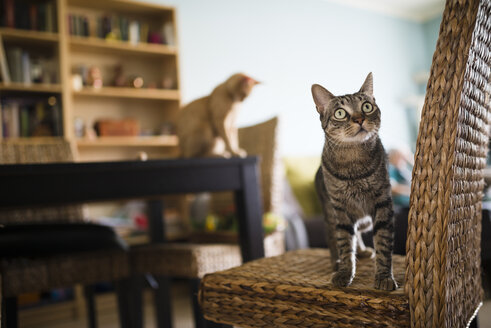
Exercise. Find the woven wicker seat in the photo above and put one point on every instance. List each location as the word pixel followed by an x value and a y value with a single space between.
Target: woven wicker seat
pixel 195 260
pixel 442 283
pixel 36 274
pixel 295 285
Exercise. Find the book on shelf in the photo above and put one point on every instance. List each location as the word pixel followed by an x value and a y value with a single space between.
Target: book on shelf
pixel 118 27
pixel 4 70
pixel 17 65
pixel 28 15
pixel 14 60
pixel 30 117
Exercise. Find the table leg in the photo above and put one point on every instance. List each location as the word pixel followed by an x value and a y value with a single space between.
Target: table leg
pixel 249 211
pixel 163 306
pixel 9 312
pixel 123 292
pixel 156 221
pixel 91 307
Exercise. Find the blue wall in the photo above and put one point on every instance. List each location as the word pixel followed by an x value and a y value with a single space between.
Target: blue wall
pixel 289 45
pixel 431 29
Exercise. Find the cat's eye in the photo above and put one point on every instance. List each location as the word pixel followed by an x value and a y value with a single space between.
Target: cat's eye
pixel 367 108
pixel 340 114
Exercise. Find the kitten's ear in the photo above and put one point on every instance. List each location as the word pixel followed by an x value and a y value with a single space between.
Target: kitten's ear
pixel 367 86
pixel 321 97
pixel 250 80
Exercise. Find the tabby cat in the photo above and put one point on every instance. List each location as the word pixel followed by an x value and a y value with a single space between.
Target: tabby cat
pixel 206 127
pixel 353 183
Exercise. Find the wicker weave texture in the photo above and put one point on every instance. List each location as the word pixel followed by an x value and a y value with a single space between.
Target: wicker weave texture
pixel 443 246
pixel 195 260
pixel 293 290
pixel 259 140
pixel 20 151
pixel 28 275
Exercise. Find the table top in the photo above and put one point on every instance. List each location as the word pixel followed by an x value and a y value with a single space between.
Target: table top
pixel 62 183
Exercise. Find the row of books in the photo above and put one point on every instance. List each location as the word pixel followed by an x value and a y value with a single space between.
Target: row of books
pixel 33 117
pixel 18 65
pixel 28 15
pixel 115 27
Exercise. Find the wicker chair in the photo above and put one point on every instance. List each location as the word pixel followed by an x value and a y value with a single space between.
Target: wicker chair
pixel 191 260
pixel 441 273
pixel 22 272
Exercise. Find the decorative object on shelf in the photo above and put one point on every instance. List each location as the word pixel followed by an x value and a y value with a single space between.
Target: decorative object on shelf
pixel 168 83
pixel 201 125
pixel 120 79
pixel 167 129
pixel 77 82
pixel 94 77
pixel 90 133
pixel 137 82
pixel 142 156
pixel 36 71
pixel 79 126
pixel 155 37
pixel 168 34
pixel 134 33
pixel 123 127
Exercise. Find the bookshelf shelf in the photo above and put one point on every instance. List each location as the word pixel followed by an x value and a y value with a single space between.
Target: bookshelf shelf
pixel 128 6
pixel 111 46
pixel 28 35
pixel 115 92
pixel 34 87
pixel 150 141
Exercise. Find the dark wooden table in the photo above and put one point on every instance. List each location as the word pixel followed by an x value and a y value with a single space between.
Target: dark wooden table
pixel 31 185
pixel 28 185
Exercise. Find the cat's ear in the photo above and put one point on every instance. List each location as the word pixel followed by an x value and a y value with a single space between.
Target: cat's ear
pixel 367 86
pixel 321 97
pixel 249 80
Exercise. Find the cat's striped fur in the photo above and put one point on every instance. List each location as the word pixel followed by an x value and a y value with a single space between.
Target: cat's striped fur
pixel 353 183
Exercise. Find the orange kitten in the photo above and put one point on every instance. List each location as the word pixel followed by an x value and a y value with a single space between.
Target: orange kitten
pixel 206 127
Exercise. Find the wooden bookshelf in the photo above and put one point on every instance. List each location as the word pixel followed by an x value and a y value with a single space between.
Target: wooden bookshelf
pixel 34 87
pixel 155 105
pixel 28 35
pixel 112 46
pixel 150 141
pixel 158 94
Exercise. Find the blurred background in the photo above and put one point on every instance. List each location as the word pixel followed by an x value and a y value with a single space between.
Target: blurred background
pixel 289 45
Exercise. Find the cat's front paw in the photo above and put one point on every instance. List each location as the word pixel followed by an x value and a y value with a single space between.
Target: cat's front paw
pixel 240 153
pixel 367 253
pixel 384 282
pixel 342 278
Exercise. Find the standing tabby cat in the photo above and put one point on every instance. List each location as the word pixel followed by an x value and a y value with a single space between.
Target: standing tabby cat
pixel 353 183
pixel 206 127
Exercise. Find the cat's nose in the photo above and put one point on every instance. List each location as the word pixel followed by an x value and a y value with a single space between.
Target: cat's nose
pixel 358 120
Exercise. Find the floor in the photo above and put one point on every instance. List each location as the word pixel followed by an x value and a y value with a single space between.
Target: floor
pixel 106 304
pixel 63 316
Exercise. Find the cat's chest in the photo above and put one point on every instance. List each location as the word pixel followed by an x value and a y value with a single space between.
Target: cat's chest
pixel 354 189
